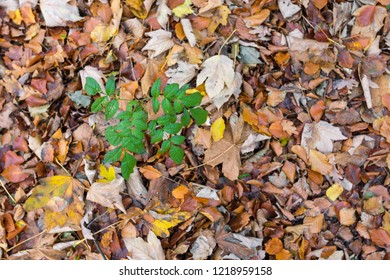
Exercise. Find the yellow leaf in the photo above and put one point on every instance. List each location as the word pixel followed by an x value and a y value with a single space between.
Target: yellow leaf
pixel 137 8
pixel 183 9
pixel 102 33
pixel 334 191
pixel 16 17
pixel 107 174
pixel 60 197
pixel 217 129
pixel 220 17
pixel 161 226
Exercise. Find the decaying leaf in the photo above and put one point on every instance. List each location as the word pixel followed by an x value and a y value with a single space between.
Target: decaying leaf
pixel 58 12
pixel 160 42
pixel 61 197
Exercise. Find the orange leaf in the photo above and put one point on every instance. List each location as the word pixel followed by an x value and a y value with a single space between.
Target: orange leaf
pixel 283 255
pixel 317 110
pixel 319 162
pixel 276 129
pixel 347 216
pixel 14 173
pixel 380 237
pixel 386 100
pixel 274 246
pixel 289 169
pixel 150 172
pixel 180 192
pixel 314 223
pixel 311 68
pixel 300 152
pixel 320 3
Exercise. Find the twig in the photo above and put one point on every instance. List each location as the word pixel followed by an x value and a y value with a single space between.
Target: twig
pixel 2 184
pixel 24 241
pixel 217 157
pixel 323 32
pixel 224 43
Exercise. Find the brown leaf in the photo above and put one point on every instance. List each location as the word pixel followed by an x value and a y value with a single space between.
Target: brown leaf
pixel 319 162
pixel 14 173
pixel 150 172
pixel 347 216
pixel 380 237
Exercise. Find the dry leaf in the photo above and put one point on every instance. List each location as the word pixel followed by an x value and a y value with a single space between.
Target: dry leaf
pixel 334 191
pixel 320 136
pixel 140 249
pixel 108 193
pixel 274 246
pixel 217 129
pixel 182 74
pixel 150 172
pixel 160 42
pixel 347 216
pixel 58 12
pixel 319 162
pixel 203 245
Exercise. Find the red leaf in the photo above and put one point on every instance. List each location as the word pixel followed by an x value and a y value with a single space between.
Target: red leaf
pixel 14 173
pixel 365 15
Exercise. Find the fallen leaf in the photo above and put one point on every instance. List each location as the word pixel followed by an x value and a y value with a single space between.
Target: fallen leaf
pixel 314 224
pixel 140 249
pixel 107 194
pixel 320 136
pixel 319 162
pixel 150 172
pixel 380 237
pixel 274 246
pixel 182 74
pixel 347 216
pixel 217 129
pixel 218 73
pixel 60 197
pixel 183 9
pixel 187 28
pixel 163 13
pixel 14 173
pixel 334 191
pixel 58 12
pixel 203 245
pixel 287 8
pixel 160 42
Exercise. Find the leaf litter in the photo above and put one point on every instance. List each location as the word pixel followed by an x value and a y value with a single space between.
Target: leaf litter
pixel 292 162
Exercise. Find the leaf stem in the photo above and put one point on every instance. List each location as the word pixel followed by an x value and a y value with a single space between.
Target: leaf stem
pixel 215 158
pixel 2 184
pixel 224 43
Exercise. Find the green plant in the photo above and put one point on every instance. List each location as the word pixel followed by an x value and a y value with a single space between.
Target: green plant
pixel 128 136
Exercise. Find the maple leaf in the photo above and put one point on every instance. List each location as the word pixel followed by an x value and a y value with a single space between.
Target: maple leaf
pixel 218 73
pixel 183 74
pixel 140 249
pixel 163 12
pixel 320 136
pixel 227 150
pixel 58 12
pixel 107 193
pixel 60 196
pixel 160 42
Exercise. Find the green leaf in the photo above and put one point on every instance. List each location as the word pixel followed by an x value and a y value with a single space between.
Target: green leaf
pixel 165 120
pixel 178 106
pixel 113 155
pixel 177 139
pixel 138 133
pixel 167 106
pixel 131 105
pixel 97 104
pixel 171 90
pixel 155 105
pixel 165 146
pixel 140 124
pixel 173 128
pixel 111 108
pixel 133 144
pixel 110 86
pixel 124 115
pixel 155 91
pixel 192 100
pixel 199 115
pixel 152 125
pixel 176 154
pixel 112 136
pixel 185 118
pixel 156 136
pixel 140 115
pixel 128 164
pixel 92 86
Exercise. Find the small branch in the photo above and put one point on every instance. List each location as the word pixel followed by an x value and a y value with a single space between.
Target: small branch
pixel 217 157
pixel 224 43
pixel 10 196
pixel 24 241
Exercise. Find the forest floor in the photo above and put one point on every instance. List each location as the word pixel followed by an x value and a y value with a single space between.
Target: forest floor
pixel 194 129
